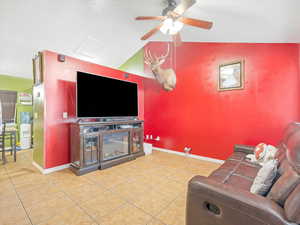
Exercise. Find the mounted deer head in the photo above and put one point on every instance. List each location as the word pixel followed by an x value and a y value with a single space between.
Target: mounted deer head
pixel 166 77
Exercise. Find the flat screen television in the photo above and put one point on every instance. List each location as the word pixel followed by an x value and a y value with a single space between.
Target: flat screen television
pixel 99 96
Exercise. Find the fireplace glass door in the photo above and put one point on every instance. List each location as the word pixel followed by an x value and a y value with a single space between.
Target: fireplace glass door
pixel 115 145
pixel 91 149
pixel 137 140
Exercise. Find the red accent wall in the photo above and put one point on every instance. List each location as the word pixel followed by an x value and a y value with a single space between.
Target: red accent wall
pixel 196 114
pixel 60 89
pixel 299 56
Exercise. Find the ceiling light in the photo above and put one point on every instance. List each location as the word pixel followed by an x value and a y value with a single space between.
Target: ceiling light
pixel 170 26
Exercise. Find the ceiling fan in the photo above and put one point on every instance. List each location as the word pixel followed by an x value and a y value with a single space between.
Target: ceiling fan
pixel 173 20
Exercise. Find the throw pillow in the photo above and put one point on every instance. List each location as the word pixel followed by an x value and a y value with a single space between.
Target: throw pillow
pixel 260 151
pixel 264 178
pixel 263 153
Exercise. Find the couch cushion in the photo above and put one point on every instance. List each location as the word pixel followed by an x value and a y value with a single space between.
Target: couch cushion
pixel 280 154
pixel 293 151
pixel 248 170
pixel 236 171
pixel 224 171
pixel 237 156
pixel 229 165
pixel 283 166
pixel 284 186
pixel 292 206
pixel 239 182
pixel 220 175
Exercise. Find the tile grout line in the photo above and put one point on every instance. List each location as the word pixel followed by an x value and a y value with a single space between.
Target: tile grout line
pixel 17 194
pixel 177 196
pixel 106 189
pixel 143 169
pixel 76 204
pixel 60 190
pixel 152 216
pixel 168 177
pixel 129 202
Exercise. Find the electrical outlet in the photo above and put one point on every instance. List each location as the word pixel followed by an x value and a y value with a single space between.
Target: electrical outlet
pixel 65 115
pixel 187 150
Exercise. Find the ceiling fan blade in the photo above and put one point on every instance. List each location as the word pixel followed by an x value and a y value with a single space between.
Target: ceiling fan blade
pixel 150 18
pixel 177 39
pixel 183 6
pixel 151 32
pixel 196 23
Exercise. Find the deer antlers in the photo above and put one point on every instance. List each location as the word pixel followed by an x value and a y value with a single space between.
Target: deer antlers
pixel 150 60
pixel 148 57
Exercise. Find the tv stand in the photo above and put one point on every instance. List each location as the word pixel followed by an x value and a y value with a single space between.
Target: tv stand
pixel 102 144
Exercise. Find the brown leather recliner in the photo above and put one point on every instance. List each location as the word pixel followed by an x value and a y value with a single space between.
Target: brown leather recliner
pixel 224 198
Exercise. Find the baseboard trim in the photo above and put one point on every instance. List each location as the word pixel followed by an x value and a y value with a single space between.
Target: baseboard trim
pixel 190 155
pixel 65 166
pixel 51 170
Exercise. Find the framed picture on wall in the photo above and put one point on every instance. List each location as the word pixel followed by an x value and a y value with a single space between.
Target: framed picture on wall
pixel 231 76
pixel 37 62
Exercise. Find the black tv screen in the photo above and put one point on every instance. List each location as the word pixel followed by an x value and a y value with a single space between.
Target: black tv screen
pixel 99 96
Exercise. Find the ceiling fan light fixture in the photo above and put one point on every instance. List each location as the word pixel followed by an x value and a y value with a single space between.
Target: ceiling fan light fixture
pixel 177 26
pixel 171 27
pixel 166 25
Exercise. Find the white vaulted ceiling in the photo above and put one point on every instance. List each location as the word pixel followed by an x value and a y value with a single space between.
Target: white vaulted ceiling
pixel 105 32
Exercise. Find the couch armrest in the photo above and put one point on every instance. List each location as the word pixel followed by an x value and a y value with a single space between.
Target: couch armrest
pixel 213 203
pixel 244 148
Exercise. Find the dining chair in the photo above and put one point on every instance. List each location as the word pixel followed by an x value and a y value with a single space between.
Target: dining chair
pixel 2 142
pixel 8 132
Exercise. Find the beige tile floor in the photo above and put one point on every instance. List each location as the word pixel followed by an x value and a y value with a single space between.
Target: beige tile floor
pixel 150 190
